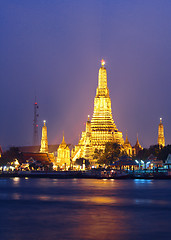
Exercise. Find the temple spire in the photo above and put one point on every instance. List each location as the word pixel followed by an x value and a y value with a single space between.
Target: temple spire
pixel 102 78
pixel 126 140
pixel 137 146
pixel 44 140
pixel 137 140
pixel 161 138
pixel 103 127
pixel 63 139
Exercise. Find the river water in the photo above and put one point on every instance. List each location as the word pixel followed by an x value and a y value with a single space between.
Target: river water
pixel 48 209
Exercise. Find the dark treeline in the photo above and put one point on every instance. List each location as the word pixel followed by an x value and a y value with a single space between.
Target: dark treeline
pixel 114 151
pixel 10 156
pixel 157 151
pixel 111 153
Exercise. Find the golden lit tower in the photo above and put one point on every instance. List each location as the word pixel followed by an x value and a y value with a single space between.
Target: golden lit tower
pixel 103 128
pixel 44 140
pixel 161 139
pixel 63 158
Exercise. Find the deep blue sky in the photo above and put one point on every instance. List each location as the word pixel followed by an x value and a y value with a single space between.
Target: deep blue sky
pixel 53 48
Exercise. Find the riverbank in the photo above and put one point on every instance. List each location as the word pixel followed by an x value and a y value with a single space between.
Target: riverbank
pixel 86 174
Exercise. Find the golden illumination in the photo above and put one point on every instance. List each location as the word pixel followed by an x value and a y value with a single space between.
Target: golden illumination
pixel 16 163
pixel 44 140
pixel 161 138
pixel 63 158
pixel 101 129
pixel 102 125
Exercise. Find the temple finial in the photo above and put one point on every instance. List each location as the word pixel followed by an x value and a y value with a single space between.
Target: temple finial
pixel 63 139
pixel 126 139
pixel 137 139
pixel 102 62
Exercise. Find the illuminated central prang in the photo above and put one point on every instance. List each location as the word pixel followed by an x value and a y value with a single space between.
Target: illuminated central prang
pixel 101 129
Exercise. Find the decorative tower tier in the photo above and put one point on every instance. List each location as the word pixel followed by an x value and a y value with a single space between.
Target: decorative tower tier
pixel 103 128
pixel 161 138
pixel 44 140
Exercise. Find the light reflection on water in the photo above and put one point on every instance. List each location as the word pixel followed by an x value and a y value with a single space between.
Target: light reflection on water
pixel 98 200
pixel 84 209
pixel 138 181
pixel 16 180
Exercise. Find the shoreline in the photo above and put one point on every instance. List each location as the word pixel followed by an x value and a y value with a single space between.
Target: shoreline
pixel 83 175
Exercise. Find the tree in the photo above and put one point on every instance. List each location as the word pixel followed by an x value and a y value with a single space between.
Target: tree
pixel 164 152
pixel 160 152
pixel 154 149
pixel 143 154
pixel 10 155
pixel 98 153
pixel 79 161
pixel 111 154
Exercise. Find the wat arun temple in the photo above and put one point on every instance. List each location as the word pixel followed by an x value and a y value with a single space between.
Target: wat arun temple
pixel 101 128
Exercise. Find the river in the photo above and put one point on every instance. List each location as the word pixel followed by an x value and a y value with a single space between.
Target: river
pixel 79 209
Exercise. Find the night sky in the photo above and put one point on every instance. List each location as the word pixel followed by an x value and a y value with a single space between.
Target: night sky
pixel 52 49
